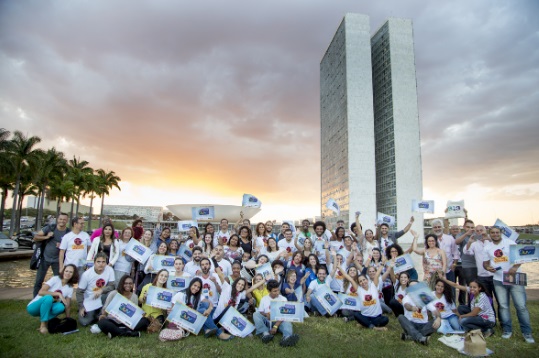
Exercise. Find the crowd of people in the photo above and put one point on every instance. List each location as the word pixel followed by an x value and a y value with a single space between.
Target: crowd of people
pixel 222 269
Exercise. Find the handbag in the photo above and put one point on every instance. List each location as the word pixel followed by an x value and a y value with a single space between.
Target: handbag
pixel 155 325
pixel 172 333
pixel 37 256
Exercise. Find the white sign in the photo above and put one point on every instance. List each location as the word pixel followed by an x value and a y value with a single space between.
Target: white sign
pixel 235 323
pixel 385 219
pixel 507 232
pixel 250 201
pixel 333 206
pixel 185 225
pixel 138 251
pixel 423 206
pixel 455 209
pixel 125 311
pixel 203 213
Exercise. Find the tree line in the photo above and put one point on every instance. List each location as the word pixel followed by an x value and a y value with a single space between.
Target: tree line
pixel 47 174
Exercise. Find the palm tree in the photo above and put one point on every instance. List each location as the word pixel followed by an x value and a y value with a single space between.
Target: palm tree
pixel 21 151
pixel 51 164
pixel 61 187
pixel 107 181
pixel 78 171
pixel 92 187
pixel 6 172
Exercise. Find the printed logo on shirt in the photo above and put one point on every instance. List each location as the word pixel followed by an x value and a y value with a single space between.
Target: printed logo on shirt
pixel 206 290
pixel 99 284
pixel 499 256
pixel 78 244
pixel 369 300
pixel 418 314
pixel 440 306
pixel 400 297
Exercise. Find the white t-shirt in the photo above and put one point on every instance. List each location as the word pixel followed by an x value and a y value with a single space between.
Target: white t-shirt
pixel 265 303
pixel 76 248
pixel 55 285
pixel 337 245
pixel 91 281
pixel 209 290
pixel 318 245
pixel 399 295
pixel 221 236
pixel 313 286
pixel 369 301
pixel 498 255
pixel 289 247
pixel 477 249
pixel 261 242
pixel 419 316
pixel 192 267
pixel 337 282
pixel 190 244
pixel 122 264
pixel 225 266
pixel 445 309
pixel 224 298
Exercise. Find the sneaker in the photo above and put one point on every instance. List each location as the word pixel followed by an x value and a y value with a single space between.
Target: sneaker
pixel 489 332
pixel 267 338
pixel 289 341
pixel 424 341
pixel 345 319
pixel 406 337
pixel 507 335
pixel 529 339
pixel 109 335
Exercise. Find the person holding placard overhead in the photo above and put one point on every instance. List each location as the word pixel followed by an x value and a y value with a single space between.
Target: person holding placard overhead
pixel 496 260
pixel 111 326
pixel 160 281
pixel 386 239
pixel 370 315
pixel 265 327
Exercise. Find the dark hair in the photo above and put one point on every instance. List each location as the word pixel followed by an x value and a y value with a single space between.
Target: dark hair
pixel 235 292
pixel 268 248
pixel 101 255
pixel 427 239
pixel 286 230
pixel 136 222
pixel 75 278
pixel 196 296
pixel 207 226
pixel 196 231
pixel 319 223
pixel 309 259
pixel 482 287
pixel 166 228
pixel 238 240
pixel 370 231
pixel 448 293
pixel 277 262
pixel 102 238
pixel 384 224
pixel 205 259
pixel 177 246
pixel 258 225
pixel 400 251
pixel 210 244
pixel 337 232
pixel 468 221
pixel 197 248
pixel 154 282
pixel 224 219
pixel 75 220
pixel 64 214
pixel 124 230
pixel 260 256
pixel 295 254
pixel 121 284
pixel 398 283
pixel 249 232
pixel 272 284
pixel 372 256
pixel 321 268
pixel 236 262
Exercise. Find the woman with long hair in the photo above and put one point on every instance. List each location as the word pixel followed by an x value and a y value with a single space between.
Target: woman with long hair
pixel 350 286
pixel 292 285
pixel 124 263
pixel 148 269
pixel 445 304
pixel 160 281
pixel 273 252
pixel 173 247
pixel 434 258
pixel 403 280
pixel 246 241
pixel 370 315
pixel 260 236
pixel 105 243
pixel 54 297
pixel 311 269
pixel 110 325
pixel 207 245
pixel 193 237
pixel 233 250
pixel 306 249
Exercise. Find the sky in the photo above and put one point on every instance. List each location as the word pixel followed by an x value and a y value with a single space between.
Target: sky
pixel 201 102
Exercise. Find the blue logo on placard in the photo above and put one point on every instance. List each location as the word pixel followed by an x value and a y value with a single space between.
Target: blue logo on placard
pixel 127 309
pixel 188 316
pixel 139 249
pixel 425 298
pixel 167 262
pixel 400 261
pixel 188 253
pixel 506 231
pixel 179 282
pixel 423 205
pixel 204 211
pixel 164 296
pixel 349 302
pixel 527 250
pixel 288 309
pixel 387 219
pixel 253 199
pixel 186 226
pixel 238 323
pixel 330 299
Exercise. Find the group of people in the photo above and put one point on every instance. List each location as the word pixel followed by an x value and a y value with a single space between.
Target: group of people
pixel 222 269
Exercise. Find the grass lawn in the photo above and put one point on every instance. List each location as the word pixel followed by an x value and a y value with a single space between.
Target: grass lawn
pixel 320 337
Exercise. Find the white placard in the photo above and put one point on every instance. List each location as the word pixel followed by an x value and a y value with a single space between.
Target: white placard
pixel 250 201
pixel 203 213
pixel 507 232
pixel 185 225
pixel 138 251
pixel 455 209
pixel 423 206
pixel 385 219
pixel 333 206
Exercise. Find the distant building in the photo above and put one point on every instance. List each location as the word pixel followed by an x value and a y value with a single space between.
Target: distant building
pixel 51 205
pixel 148 213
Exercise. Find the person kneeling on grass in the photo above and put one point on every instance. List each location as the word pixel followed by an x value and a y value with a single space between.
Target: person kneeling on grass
pixel 54 297
pixel 268 329
pixel 415 321
pixel 370 315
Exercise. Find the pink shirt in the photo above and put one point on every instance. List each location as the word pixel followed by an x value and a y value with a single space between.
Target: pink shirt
pixel 97 232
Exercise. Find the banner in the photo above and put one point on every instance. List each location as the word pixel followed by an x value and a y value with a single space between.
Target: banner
pixel 185 253
pixel 159 297
pixel 455 209
pixel 333 206
pixel 186 318
pixel 420 294
pixel 203 213
pixel 519 278
pixel 236 324
pixel 264 270
pixel 520 254
pixel 124 311
pixel 349 302
pixel 385 219
pixel 177 284
pixel 137 251
pixel 423 206
pixel 403 263
pixel 185 225
pixel 507 232
pixel 328 299
pixel 160 262
pixel 286 311
pixel 250 201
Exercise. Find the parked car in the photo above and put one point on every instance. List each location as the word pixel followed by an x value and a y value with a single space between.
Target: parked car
pixel 6 244
pixel 25 239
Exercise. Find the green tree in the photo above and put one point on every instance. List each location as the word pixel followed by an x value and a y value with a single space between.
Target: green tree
pixel 79 171
pixel 107 181
pixel 6 172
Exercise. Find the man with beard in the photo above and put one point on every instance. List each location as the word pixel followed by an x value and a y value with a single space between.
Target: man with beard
pixel 94 286
pixel 219 254
pixel 496 260
pixel 50 238
pixel 304 232
pixel 447 243
pixel 74 246
pixel 287 244
pixel 210 286
pixel 223 235
pixel 386 239
pixel 321 241
pixel 193 266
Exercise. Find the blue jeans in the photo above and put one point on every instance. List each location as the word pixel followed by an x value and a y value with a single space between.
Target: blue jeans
pixel 209 324
pixel 371 322
pixel 518 293
pixel 453 321
pixel 45 308
pixel 476 322
pixel 263 325
pixel 317 306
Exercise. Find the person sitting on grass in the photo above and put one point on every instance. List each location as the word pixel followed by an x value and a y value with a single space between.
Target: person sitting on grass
pixel 445 304
pixel 291 284
pixel 370 315
pixel 415 321
pixel 160 281
pixel 312 302
pixel 110 325
pixel 54 297
pixel 267 329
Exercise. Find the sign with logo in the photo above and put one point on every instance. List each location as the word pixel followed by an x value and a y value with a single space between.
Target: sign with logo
pixel 160 262
pixel 423 206
pixel 124 311
pixel 286 311
pixel 506 231
pixel 520 254
pixel 203 213
pixel 235 323
pixel 385 219
pixel 333 206
pixel 403 263
pixel 177 284
pixel 420 294
pixel 159 297
pixel 185 225
pixel 455 209
pixel 250 201
pixel 186 318
pixel 328 299
pixel 185 253
pixel 349 302
pixel 264 270
pixel 138 251
pixel 519 279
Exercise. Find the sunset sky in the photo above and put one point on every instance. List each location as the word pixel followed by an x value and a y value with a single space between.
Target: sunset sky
pixel 203 101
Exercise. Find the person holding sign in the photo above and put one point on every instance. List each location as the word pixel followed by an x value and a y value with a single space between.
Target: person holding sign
pixel 272 251
pixel 148 269
pixel 193 298
pixel 124 263
pixel 160 280
pixel 385 238
pixel 178 270
pixel 496 260
pixel 322 278
pixel 350 287
pixel 54 297
pixel 267 329
pixel 111 326
pixel 370 315
pixel 434 258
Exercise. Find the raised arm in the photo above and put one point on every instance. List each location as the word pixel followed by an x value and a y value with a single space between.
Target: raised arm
pixel 296 243
pixel 349 278
pixel 239 222
pixel 417 250
pixel 376 279
pixel 441 275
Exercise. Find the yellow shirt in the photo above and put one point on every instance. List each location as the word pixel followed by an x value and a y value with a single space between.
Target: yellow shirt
pixel 150 311
pixel 258 294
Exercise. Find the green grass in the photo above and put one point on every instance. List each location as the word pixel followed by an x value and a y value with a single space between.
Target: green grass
pixel 320 337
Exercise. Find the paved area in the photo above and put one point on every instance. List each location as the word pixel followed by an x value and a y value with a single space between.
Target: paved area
pixel 19 254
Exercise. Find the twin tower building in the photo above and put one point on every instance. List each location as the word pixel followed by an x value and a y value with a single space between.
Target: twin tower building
pixel 370 143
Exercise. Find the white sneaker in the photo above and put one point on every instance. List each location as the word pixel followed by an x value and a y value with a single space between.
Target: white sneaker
pixel 529 339
pixel 507 335
pixel 95 329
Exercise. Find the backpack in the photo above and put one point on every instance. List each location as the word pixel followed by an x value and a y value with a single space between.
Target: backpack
pixel 37 256
pixel 57 325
